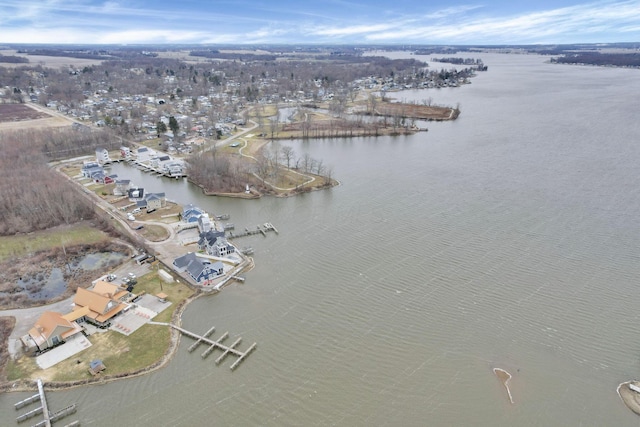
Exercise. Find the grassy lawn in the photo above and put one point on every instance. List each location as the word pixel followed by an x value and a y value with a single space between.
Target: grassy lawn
pixel 71 171
pixel 119 353
pixel 154 143
pixel 153 232
pixel 167 214
pixel 18 246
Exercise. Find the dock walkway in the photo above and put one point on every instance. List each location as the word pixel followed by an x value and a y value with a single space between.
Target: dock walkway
pixel 43 409
pixel 260 229
pixel 214 344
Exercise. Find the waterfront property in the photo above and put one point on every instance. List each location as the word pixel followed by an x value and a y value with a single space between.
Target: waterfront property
pixel 50 330
pixel 191 213
pixel 202 271
pixel 152 201
pixel 92 170
pixel 204 223
pixel 214 243
pixel 100 304
pixel 122 187
pixel 102 156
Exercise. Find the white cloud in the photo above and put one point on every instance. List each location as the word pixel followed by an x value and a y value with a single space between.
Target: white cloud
pixel 117 21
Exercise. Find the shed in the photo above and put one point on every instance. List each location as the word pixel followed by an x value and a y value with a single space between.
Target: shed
pixel 96 366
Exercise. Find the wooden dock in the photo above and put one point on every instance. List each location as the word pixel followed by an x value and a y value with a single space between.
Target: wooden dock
pixel 42 409
pixel 214 344
pixel 260 229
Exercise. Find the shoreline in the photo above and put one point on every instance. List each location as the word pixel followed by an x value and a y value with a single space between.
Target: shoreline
pixel 504 377
pixel 630 397
pixel 22 385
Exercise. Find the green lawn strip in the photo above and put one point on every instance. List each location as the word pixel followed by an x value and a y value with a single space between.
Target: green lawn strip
pixel 21 245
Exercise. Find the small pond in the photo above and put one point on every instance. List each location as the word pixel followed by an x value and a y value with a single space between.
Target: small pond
pixel 48 285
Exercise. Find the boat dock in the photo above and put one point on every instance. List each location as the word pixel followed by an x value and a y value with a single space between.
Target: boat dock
pixel 214 344
pixel 260 229
pixel 43 409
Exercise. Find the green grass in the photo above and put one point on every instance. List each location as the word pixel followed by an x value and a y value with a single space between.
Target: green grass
pixel 119 353
pixel 21 245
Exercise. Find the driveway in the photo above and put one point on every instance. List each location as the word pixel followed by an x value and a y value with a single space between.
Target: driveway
pixel 27 317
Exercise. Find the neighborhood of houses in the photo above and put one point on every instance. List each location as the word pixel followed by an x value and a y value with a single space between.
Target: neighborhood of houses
pixel 107 305
pixel 110 303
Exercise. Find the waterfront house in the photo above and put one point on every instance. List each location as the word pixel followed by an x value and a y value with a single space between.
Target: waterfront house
pixel 50 330
pixel 122 187
pixel 208 239
pixel 200 270
pixel 204 223
pixel 125 151
pixel 90 169
pixel 102 156
pixel 135 194
pixel 223 248
pixel 110 290
pixel 173 167
pixel 214 243
pixel 152 201
pixel 157 162
pixel 109 179
pixel 143 154
pixel 100 307
pixel 191 213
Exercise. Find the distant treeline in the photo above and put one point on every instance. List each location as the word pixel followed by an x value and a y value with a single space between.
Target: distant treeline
pixel 597 58
pixel 244 56
pixel 10 59
pixel 97 54
pixel 83 54
pixel 479 65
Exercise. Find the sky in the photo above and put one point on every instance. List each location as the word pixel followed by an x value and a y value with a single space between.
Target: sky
pixel 365 22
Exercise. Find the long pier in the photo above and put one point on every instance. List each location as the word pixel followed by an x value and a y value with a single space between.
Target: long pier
pixel 43 409
pixel 260 229
pixel 214 344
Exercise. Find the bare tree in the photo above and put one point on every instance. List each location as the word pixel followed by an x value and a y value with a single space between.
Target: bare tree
pixel 288 155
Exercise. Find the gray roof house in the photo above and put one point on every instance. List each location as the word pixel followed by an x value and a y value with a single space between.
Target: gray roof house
pixel 215 243
pixel 191 213
pixel 200 270
pixel 152 201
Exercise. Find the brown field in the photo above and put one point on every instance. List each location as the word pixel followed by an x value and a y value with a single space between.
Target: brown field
pixel 414 111
pixel 19 112
pixel 49 61
pixel 25 116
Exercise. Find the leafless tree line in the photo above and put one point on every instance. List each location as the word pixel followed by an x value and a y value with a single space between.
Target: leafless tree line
pixel 217 172
pixel 32 195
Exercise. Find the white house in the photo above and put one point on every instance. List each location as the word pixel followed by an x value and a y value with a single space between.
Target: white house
pixel 102 156
pixel 204 223
pixel 144 154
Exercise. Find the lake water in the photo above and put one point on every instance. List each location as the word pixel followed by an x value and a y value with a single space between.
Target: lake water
pixel 507 238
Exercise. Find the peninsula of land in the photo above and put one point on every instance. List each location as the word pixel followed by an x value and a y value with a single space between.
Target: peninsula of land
pixel 181 114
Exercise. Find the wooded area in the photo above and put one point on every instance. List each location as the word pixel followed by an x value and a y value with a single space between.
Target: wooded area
pixel 597 58
pixel 32 195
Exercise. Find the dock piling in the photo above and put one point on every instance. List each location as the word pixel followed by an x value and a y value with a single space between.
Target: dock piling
pixel 213 344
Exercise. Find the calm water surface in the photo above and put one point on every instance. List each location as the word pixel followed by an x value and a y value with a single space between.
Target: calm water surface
pixel 507 238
